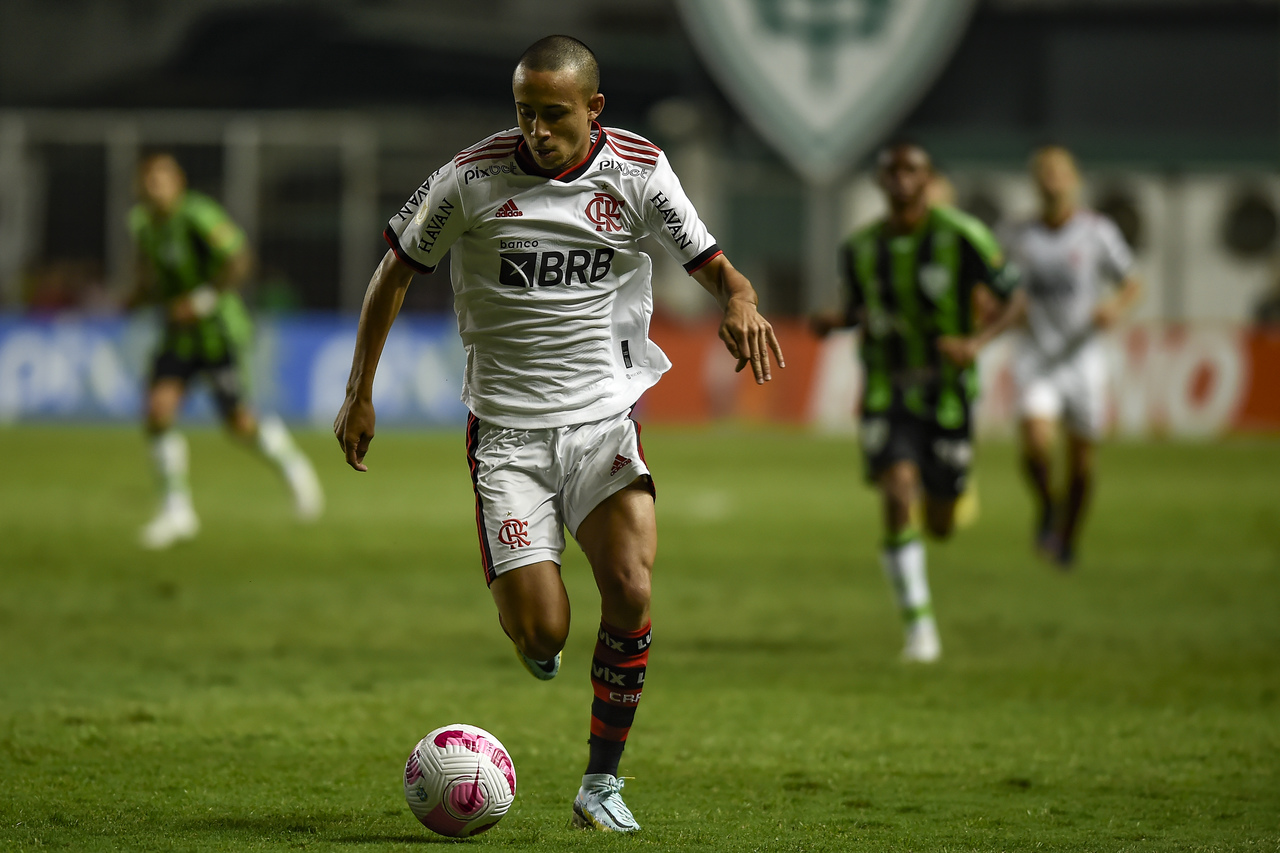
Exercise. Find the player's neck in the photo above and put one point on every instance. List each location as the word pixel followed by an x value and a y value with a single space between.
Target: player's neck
pixel 1057 215
pixel 907 219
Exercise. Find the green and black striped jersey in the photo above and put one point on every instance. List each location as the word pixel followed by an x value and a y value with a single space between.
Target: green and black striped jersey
pixel 188 247
pixel 184 250
pixel 906 291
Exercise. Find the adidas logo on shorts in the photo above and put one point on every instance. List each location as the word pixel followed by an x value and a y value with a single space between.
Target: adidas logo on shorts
pixel 509 209
pixel 619 462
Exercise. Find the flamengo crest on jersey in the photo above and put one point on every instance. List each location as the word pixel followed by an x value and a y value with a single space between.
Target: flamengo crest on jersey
pixel 552 292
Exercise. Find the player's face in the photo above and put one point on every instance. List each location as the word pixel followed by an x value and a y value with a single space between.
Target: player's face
pixel 1056 178
pixel 555 116
pixel 162 184
pixel 904 176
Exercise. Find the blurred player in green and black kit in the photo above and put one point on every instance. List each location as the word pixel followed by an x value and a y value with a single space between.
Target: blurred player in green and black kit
pixel 912 277
pixel 192 258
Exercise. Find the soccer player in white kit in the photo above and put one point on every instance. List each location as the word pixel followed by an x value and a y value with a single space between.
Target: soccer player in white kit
pixel 553 299
pixel 1067 256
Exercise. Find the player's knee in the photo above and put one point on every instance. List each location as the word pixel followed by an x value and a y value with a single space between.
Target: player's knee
pixel 628 590
pixel 242 424
pixel 1081 462
pixel 158 419
pixel 540 639
pixel 940 528
pixel 940 519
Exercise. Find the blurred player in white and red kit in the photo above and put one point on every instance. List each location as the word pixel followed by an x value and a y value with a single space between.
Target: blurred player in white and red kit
pixel 553 299
pixel 1067 256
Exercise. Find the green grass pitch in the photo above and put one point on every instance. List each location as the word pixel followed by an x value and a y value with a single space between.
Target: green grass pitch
pixel 260 688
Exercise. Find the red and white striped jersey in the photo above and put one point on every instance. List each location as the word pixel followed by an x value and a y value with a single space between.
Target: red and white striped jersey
pixel 552 292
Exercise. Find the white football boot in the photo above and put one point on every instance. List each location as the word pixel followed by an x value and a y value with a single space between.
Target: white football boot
pixel 176 522
pixel 543 670
pixel 599 805
pixel 923 644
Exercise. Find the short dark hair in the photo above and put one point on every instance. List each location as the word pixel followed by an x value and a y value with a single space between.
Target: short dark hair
pixel 149 159
pixel 558 53
pixel 897 144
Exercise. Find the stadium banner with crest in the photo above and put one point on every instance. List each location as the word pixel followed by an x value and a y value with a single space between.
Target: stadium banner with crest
pixel 823 80
pixel 1178 380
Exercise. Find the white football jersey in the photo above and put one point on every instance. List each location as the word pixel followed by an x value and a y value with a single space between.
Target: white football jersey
pixel 553 295
pixel 1064 271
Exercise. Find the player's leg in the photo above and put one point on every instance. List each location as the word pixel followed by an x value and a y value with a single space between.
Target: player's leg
pixel 267 436
pixel 1080 455
pixel 515 475
pixel 175 520
pixel 1084 392
pixel 620 539
pixel 533 610
pixel 890 447
pixel 1037 449
pixel 609 508
pixel 1040 406
pixel 940 516
pixel 903 559
pixel 946 457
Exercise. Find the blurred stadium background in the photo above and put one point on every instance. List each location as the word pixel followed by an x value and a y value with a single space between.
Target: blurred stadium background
pixel 313 126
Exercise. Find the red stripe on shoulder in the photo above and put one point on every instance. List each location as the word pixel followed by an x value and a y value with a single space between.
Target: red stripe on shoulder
pixel 489 143
pixel 639 152
pixel 634 158
pixel 492 155
pixel 634 140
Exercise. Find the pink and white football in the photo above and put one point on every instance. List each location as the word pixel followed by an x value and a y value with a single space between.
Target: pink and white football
pixel 459 781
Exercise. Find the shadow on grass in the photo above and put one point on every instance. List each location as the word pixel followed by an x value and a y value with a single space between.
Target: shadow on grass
pixel 335 829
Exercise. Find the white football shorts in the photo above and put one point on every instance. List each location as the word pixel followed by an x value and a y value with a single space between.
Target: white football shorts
pixel 531 484
pixel 1072 389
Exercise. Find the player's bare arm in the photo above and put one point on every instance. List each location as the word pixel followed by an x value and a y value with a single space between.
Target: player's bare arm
pixel 1111 311
pixel 748 336
pixel 355 422
pixel 200 302
pixel 962 351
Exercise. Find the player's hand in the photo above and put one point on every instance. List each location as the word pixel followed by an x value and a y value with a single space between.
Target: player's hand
pixel 961 352
pixel 1106 315
pixel 749 338
pixel 354 429
pixel 182 311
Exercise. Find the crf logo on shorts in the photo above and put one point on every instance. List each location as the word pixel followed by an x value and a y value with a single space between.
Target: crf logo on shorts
pixel 605 212
pixel 514 533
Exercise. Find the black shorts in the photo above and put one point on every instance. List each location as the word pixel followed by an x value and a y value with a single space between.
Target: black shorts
pixel 222 369
pixel 942 456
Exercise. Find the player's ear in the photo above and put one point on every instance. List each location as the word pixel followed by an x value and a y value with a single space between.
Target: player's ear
pixel 595 105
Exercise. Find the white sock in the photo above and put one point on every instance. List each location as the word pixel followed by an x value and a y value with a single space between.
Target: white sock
pixel 275 443
pixel 905 568
pixel 169 456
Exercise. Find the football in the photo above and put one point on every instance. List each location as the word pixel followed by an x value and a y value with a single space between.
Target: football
pixel 459 781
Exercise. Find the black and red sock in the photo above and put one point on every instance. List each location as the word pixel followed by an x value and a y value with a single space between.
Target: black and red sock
pixel 617 677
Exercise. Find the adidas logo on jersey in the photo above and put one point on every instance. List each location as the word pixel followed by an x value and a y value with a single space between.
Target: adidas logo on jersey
pixel 619 462
pixel 509 209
